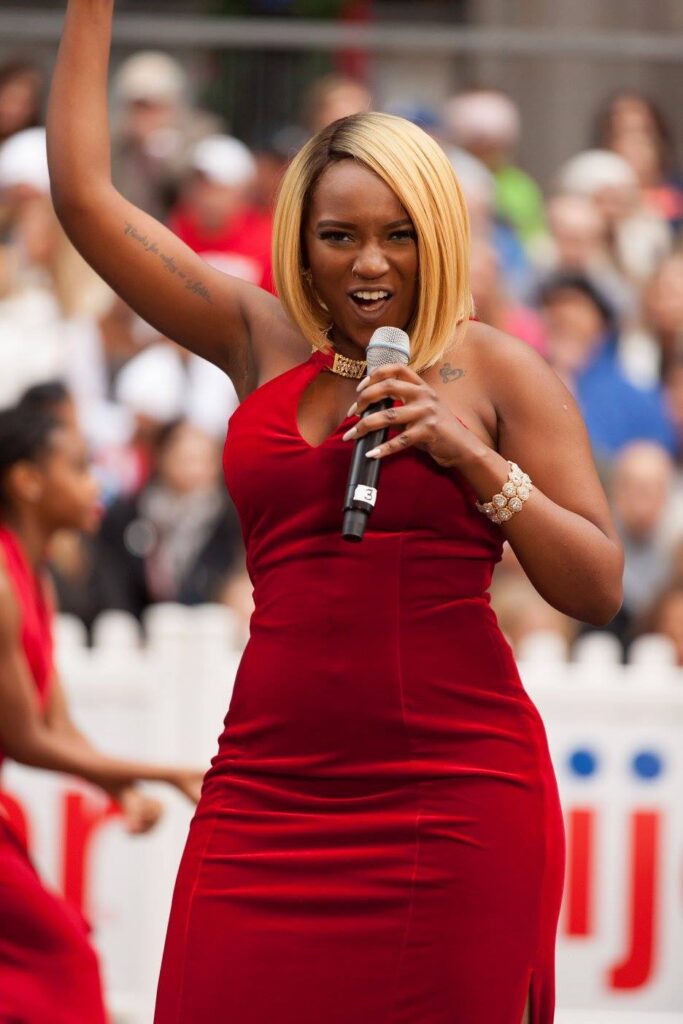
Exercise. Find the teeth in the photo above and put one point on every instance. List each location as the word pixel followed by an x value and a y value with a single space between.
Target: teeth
pixel 371 296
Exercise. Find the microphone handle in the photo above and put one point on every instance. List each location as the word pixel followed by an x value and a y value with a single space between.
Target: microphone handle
pixel 361 489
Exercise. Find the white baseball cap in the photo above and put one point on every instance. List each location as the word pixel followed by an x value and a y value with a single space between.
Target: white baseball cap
pixel 23 161
pixel 152 76
pixel 595 169
pixel 223 159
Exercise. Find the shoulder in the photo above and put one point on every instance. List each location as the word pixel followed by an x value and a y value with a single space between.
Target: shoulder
pixel 517 380
pixel 501 355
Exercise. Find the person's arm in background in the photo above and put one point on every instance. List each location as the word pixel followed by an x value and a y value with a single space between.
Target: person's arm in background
pixel 49 740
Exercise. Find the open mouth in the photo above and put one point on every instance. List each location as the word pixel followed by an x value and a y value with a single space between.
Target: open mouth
pixel 370 300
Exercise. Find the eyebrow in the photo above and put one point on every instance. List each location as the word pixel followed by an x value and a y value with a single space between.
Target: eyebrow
pixel 349 224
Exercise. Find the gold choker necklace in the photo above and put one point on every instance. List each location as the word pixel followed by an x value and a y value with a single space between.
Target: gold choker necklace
pixel 347 367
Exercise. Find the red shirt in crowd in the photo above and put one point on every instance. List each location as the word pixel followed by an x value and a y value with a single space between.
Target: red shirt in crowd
pixel 240 248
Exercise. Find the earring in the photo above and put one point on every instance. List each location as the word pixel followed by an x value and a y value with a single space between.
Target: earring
pixel 307 275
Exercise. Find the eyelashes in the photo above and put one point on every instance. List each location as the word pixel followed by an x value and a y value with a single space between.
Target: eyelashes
pixel 339 236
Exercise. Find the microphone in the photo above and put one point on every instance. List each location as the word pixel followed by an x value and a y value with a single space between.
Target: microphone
pixel 387 345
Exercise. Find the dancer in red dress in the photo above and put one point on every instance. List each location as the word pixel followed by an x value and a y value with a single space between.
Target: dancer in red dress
pixel 379 837
pixel 48 969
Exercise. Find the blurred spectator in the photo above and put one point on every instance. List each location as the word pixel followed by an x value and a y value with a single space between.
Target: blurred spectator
pixel 578 242
pixel 583 348
pixel 44 283
pixel 216 217
pixel 487 124
pixel 640 236
pixel 673 392
pixel 21 88
pixel 635 128
pixel 479 189
pixel 331 97
pixel 641 487
pixel 663 310
pixel 154 130
pixel 178 538
pixel 272 158
pixel 666 617
pixel 21 97
pixel 494 306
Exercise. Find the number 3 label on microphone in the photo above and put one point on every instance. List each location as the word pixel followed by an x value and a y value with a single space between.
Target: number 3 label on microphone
pixel 365 493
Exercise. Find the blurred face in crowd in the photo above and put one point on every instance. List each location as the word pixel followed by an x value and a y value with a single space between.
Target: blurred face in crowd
pixel 60 486
pixel 341 100
pixel 36 230
pixel 616 202
pixel 641 484
pixel 664 297
pixel 574 326
pixel 144 118
pixel 362 252
pixel 633 132
pixel 19 101
pixel 673 389
pixel 213 203
pixel 189 460
pixel 484 276
pixel 642 152
pixel 578 229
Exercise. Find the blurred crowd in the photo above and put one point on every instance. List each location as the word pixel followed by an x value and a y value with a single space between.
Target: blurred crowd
pixel 588 271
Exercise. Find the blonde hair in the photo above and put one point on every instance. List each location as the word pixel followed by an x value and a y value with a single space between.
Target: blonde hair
pixel 417 170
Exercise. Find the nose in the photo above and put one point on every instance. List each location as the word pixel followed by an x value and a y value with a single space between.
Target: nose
pixel 371 262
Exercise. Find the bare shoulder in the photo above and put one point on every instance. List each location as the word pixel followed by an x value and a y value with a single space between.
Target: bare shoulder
pixel 518 381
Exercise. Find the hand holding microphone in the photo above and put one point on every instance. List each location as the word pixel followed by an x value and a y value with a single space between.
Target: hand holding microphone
pixel 387 345
pixel 424 420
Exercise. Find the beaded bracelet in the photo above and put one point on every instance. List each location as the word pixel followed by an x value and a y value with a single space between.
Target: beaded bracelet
pixel 514 492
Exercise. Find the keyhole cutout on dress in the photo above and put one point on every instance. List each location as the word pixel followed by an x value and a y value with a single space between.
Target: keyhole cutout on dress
pixel 322 407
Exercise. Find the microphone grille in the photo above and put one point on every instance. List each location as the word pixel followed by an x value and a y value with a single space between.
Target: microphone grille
pixel 388 345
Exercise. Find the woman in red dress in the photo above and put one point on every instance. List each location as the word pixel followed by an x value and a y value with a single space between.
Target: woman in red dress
pixel 379 838
pixel 48 969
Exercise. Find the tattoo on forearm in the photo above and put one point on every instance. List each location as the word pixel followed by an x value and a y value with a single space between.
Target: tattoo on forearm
pixel 191 284
pixel 449 373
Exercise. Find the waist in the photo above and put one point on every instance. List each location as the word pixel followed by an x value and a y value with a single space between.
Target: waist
pixel 385 573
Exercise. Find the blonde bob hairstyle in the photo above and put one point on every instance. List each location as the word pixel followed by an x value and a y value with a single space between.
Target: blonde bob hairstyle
pixel 417 170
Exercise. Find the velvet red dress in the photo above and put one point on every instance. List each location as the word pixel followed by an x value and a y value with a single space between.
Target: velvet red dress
pixel 48 970
pixel 379 838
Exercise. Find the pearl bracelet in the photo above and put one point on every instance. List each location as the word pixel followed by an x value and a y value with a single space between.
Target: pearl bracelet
pixel 514 492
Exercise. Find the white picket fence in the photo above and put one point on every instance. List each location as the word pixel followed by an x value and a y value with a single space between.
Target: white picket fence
pixel 616 735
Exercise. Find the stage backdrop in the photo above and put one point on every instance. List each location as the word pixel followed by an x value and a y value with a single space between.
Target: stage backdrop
pixel 616 736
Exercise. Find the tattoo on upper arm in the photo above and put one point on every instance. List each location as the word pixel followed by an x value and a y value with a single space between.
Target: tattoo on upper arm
pixel 191 284
pixel 449 373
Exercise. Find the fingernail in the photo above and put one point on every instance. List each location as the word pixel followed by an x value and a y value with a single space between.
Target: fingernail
pixel 364 383
pixel 372 454
pixel 352 410
pixel 352 432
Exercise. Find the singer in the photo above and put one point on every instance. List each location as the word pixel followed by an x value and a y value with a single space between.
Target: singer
pixel 379 838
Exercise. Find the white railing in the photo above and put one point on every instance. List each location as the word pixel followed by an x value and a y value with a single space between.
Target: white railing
pixel 615 732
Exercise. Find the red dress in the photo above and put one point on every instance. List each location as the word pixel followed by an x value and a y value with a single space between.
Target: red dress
pixel 379 838
pixel 48 969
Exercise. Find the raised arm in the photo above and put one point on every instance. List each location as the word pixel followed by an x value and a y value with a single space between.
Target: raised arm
pixel 208 312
